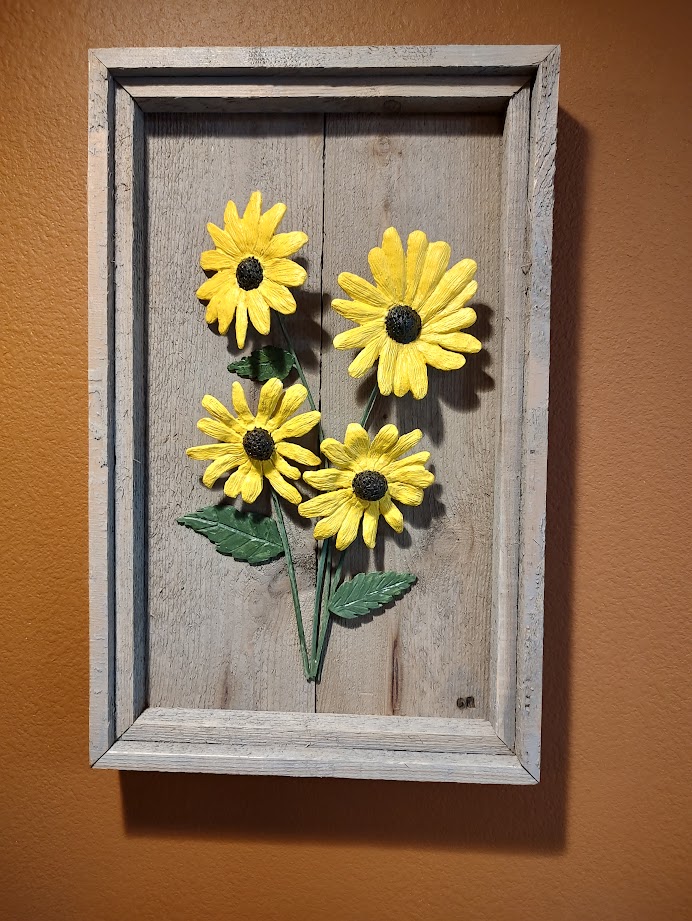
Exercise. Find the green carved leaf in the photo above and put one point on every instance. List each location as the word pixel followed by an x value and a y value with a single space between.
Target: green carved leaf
pixel 367 591
pixel 262 364
pixel 245 536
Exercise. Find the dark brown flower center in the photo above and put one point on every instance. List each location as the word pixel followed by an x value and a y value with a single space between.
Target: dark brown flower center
pixel 403 324
pixel 369 485
pixel 249 273
pixel 258 444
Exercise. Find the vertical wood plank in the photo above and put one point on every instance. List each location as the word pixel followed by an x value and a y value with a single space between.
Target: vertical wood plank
pixel 515 284
pixel 129 414
pixel 535 432
pixel 101 602
pixel 440 174
pixel 221 633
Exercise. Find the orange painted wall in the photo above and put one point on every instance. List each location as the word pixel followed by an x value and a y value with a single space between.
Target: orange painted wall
pixel 606 834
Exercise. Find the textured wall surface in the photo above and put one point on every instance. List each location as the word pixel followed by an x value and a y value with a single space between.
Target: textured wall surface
pixel 604 835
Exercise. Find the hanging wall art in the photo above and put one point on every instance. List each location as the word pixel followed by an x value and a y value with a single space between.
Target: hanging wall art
pixel 319 292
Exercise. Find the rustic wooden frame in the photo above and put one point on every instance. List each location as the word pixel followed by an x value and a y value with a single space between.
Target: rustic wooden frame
pixel 124 733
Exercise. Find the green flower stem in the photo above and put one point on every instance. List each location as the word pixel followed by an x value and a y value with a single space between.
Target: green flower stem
pixel 334 580
pixel 324 624
pixel 319 592
pixel 299 369
pixel 321 626
pixel 369 405
pixel 294 584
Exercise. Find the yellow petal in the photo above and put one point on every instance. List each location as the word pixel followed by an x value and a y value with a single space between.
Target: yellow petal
pixel 417 373
pixel 415 475
pixel 285 468
pixel 394 254
pixel 384 441
pixel 329 478
pixel 290 493
pixel 225 304
pixel 356 440
pixel 212 313
pixel 439 358
pixel 210 452
pixel 284 272
pixel 409 495
pixel 371 516
pixel 457 342
pixel 328 526
pixel 251 218
pixel 215 284
pixel 292 399
pixel 400 383
pixel 241 320
pixel 385 369
pixel 278 297
pixel 285 244
pixel 234 483
pixel 463 297
pixel 416 248
pixel 252 483
pixel 359 336
pixel 325 504
pixel 297 453
pixel 337 453
pixel 234 227
pixel 218 411
pixel 391 468
pixel 258 311
pixel 436 260
pixel 392 515
pixel 450 319
pixel 361 290
pixel 379 266
pixel 268 223
pixel 240 404
pixel 218 430
pixel 270 394
pixel 450 285
pixel 362 363
pixel 212 260
pixel 222 465
pixel 349 526
pixel 404 444
pixel 297 426
pixel 357 311
pixel 222 241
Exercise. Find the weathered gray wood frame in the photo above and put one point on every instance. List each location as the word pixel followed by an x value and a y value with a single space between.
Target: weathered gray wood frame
pixel 124 733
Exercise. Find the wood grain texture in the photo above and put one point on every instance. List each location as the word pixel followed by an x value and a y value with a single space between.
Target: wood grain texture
pixel 101 378
pixel 222 633
pixel 396 733
pixel 340 94
pixel 440 174
pixel 305 761
pixel 535 428
pixel 402 59
pixel 512 321
pixel 129 417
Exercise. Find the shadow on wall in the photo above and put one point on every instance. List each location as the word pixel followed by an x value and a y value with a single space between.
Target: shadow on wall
pixel 439 815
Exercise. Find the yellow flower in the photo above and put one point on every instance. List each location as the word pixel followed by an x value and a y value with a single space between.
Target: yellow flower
pixel 256 445
pixel 252 271
pixel 412 316
pixel 364 480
